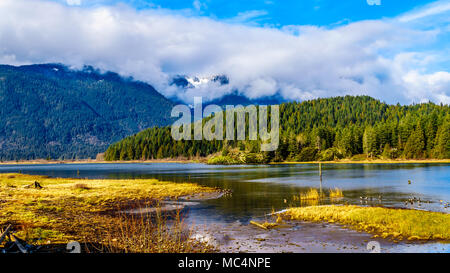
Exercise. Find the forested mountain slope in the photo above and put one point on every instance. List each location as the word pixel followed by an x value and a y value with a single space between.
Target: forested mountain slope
pixel 52 111
pixel 321 129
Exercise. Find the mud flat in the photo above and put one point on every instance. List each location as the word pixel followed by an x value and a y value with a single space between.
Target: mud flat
pixel 296 238
pixel 302 237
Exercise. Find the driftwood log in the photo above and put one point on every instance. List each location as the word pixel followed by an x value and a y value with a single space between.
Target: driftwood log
pixel 35 185
pixel 19 244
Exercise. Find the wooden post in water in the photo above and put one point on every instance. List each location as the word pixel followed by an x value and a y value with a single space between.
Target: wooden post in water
pixel 320 175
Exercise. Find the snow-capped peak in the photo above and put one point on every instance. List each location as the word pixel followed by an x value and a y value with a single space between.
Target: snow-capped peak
pixel 195 81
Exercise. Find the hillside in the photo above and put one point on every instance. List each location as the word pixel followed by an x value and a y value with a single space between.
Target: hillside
pixel 321 129
pixel 51 111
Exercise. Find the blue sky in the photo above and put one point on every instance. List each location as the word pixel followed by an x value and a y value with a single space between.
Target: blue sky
pixel 398 51
pixel 298 12
pixel 279 12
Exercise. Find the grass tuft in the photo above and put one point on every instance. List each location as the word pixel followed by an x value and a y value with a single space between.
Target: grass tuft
pixel 311 194
pixel 82 186
pixel 336 193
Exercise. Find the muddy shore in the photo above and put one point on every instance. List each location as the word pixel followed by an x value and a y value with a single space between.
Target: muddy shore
pixel 303 237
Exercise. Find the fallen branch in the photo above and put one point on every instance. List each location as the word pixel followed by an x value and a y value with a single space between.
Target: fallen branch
pixel 258 224
pixel 265 225
pixel 6 232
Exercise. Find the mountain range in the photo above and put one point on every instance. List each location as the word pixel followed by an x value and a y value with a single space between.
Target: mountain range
pixel 52 111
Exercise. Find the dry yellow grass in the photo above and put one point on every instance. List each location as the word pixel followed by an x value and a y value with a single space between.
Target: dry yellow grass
pixel 397 224
pixel 77 209
pixel 336 193
pixel 311 194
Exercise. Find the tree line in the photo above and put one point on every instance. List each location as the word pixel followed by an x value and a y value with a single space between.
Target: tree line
pixel 326 129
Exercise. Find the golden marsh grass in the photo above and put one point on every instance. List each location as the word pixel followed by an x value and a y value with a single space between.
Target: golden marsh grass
pixel 80 209
pixel 397 224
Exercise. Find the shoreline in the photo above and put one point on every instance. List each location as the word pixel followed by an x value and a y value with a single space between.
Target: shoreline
pixel 375 161
pixel 203 160
pixel 93 161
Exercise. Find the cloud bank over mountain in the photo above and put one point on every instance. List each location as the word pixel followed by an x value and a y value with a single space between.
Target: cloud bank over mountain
pixel 390 59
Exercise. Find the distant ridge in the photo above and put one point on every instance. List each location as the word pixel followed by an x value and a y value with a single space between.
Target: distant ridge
pixel 51 111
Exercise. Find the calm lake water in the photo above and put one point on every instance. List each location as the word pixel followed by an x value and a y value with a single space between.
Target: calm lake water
pixel 257 190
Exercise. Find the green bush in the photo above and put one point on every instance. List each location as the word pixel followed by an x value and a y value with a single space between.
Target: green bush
pixel 307 154
pixel 331 154
pixel 223 160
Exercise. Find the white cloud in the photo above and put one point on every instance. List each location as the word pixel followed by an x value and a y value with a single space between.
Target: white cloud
pixel 437 84
pixel 73 2
pixel 247 16
pixel 434 8
pixel 198 5
pixel 299 62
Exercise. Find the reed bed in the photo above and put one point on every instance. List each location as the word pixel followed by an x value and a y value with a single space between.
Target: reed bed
pixel 311 194
pixel 314 197
pixel 159 233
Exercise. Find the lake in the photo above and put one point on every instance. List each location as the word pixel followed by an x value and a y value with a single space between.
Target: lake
pixel 260 189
